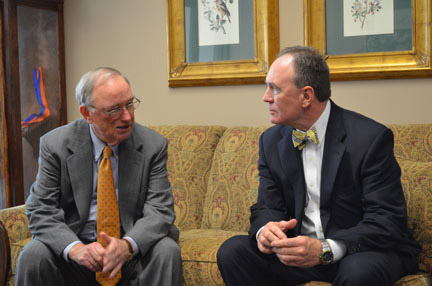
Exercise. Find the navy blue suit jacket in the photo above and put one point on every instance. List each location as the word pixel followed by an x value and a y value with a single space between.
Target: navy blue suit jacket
pixel 362 202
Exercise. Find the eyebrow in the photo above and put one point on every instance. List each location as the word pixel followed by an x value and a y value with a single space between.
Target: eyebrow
pixel 118 104
pixel 272 85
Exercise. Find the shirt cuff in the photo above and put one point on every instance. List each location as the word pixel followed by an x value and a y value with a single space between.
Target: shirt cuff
pixel 258 232
pixel 68 248
pixel 338 248
pixel 134 244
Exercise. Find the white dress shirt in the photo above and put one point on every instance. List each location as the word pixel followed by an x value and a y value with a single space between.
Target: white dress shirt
pixel 312 155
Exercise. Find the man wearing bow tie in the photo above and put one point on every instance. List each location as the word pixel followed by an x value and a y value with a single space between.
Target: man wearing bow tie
pixel 330 202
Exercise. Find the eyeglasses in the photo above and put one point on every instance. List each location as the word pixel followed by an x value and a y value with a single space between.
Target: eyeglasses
pixel 117 110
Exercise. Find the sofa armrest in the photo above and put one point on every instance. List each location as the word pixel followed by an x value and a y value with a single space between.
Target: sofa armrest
pixel 4 255
pixel 16 224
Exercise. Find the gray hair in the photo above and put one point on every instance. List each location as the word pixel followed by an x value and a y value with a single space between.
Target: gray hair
pixel 310 69
pixel 84 88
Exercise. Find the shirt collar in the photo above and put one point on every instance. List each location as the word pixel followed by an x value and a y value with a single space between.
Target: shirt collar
pixel 99 145
pixel 321 123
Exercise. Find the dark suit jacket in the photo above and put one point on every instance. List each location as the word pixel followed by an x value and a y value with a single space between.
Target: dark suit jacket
pixel 59 201
pixel 362 202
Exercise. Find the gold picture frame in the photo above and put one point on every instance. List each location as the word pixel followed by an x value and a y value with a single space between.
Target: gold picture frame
pixel 226 72
pixel 410 63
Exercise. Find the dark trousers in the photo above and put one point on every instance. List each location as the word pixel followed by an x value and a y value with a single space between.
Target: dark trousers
pixel 241 263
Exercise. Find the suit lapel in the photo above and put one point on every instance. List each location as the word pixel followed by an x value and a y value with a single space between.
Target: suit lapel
pixel 292 165
pixel 80 168
pixel 130 170
pixel 334 149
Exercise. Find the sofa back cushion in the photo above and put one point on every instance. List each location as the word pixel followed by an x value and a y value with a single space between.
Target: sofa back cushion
pixel 417 185
pixel 413 141
pixel 413 150
pixel 233 181
pixel 190 153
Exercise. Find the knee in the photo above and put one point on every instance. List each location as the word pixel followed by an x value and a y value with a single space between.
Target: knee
pixel 35 263
pixel 34 253
pixel 167 250
pixel 352 278
pixel 361 272
pixel 230 249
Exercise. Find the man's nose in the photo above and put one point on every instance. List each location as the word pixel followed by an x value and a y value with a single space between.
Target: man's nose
pixel 268 96
pixel 126 114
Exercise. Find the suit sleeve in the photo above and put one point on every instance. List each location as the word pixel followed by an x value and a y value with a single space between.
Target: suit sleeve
pixel 271 204
pixel 384 221
pixel 46 217
pixel 158 210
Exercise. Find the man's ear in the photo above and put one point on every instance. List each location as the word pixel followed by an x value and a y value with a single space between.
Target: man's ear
pixel 308 96
pixel 86 113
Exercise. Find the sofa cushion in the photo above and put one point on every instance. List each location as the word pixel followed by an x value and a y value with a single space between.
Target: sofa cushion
pixel 233 182
pixel 413 141
pixel 190 153
pixel 419 279
pixel 417 185
pixel 199 248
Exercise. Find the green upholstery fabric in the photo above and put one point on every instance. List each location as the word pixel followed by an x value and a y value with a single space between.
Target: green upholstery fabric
pixel 213 171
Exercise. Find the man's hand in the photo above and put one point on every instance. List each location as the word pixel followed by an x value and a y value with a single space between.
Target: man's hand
pixel 300 251
pixel 115 255
pixel 99 259
pixel 273 231
pixel 90 255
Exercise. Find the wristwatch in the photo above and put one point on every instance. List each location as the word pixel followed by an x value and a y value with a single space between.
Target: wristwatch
pixel 326 256
pixel 130 248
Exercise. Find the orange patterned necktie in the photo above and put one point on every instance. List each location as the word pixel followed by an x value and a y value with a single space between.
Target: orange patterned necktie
pixel 108 219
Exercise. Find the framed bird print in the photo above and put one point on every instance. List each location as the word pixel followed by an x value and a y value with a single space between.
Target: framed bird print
pixel 221 42
pixel 371 39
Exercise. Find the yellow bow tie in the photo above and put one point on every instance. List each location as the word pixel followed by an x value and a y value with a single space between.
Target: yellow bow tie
pixel 299 138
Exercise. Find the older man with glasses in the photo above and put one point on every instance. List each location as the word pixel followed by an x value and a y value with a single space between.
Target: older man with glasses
pixel 101 211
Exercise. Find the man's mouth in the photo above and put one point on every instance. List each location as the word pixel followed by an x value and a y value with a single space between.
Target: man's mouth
pixel 125 127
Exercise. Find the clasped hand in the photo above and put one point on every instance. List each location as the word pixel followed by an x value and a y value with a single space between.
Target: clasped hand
pixel 99 259
pixel 300 251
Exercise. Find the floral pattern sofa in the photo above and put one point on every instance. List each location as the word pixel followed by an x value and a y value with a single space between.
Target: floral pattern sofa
pixel 213 172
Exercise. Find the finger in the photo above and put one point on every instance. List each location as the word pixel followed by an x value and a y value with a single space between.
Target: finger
pixel 263 245
pixel 284 250
pixel 115 271
pixel 286 225
pixel 284 243
pixel 262 238
pixel 287 260
pixel 274 232
pixel 97 252
pixel 94 265
pixel 89 262
pixel 105 238
pixel 110 263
